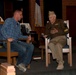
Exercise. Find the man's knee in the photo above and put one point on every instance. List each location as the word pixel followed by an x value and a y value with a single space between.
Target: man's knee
pixel 59 45
pixel 31 47
pixel 50 45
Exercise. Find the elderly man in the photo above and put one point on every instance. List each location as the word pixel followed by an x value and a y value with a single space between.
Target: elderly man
pixel 56 29
pixel 11 31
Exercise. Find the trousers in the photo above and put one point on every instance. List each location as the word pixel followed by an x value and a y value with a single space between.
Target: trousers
pixel 24 50
pixel 56 44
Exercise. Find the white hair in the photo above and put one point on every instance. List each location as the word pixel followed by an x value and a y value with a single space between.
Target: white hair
pixel 52 13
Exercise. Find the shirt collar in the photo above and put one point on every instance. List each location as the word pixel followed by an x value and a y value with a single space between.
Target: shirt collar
pixel 15 21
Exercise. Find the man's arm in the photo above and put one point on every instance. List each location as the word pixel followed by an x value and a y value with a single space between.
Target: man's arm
pixel 22 37
pixel 7 30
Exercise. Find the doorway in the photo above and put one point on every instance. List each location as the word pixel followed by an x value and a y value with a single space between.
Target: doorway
pixel 71 16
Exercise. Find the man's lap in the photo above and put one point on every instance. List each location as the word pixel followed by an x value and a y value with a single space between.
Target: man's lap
pixel 59 40
pixel 21 45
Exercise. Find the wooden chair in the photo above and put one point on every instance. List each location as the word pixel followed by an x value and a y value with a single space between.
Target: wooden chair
pixel 11 56
pixel 67 49
pixel 42 47
pixel 6 52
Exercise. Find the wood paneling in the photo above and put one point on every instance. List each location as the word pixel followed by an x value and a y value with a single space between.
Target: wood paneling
pixel 71 16
pixel 66 3
pixel 32 12
pixel 39 30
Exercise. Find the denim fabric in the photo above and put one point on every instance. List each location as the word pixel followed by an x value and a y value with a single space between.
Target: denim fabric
pixel 11 29
pixel 25 51
pixel 0 32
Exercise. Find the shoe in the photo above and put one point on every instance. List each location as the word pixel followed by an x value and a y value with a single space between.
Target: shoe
pixel 60 67
pixel 22 67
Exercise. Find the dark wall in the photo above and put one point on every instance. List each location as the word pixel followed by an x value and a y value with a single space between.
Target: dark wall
pixel 26 11
pixel 25 5
pixel 52 5
pixel 2 8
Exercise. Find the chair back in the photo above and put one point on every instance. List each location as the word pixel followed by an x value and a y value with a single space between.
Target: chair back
pixel 67 23
pixel 0 32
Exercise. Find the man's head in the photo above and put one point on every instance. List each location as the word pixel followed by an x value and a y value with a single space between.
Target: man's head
pixel 17 15
pixel 52 16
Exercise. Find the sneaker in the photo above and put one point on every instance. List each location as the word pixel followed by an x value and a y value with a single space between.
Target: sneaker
pixel 22 67
pixel 60 67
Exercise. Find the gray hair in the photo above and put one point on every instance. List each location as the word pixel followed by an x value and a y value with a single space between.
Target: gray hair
pixel 52 13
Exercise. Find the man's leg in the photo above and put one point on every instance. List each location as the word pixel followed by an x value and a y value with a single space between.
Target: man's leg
pixel 59 46
pixel 29 52
pixel 59 56
pixel 56 46
pixel 15 46
pixel 53 49
pixel 59 52
pixel 22 49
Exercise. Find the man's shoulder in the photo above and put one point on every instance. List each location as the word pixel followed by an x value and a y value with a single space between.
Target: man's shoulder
pixel 8 19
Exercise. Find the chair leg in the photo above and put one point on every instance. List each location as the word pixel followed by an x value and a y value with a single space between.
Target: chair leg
pixel 14 60
pixel 49 58
pixel 46 59
pixel 29 66
pixel 9 60
pixel 42 54
pixel 68 59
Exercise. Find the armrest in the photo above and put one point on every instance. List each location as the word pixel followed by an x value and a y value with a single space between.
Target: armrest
pixel 8 47
pixel 47 40
pixel 8 50
pixel 22 39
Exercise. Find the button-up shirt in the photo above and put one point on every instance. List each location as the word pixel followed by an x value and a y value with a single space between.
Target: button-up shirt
pixel 11 29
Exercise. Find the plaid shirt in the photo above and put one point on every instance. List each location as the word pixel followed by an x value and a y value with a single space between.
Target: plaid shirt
pixel 11 29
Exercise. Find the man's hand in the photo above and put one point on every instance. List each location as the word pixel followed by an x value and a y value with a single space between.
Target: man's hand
pixel 45 36
pixel 10 39
pixel 54 31
pixel 29 39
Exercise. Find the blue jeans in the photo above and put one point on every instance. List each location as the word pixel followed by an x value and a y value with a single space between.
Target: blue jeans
pixel 25 51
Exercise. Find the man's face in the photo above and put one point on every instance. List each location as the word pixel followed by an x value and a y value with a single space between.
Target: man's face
pixel 52 18
pixel 19 15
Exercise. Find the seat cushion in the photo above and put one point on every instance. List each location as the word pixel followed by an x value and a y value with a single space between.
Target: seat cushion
pixel 66 46
pixel 4 50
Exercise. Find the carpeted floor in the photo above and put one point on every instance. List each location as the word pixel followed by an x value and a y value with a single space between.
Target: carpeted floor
pixel 38 67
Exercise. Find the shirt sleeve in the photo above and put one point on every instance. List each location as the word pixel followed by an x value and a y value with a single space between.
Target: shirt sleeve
pixel 20 35
pixel 7 29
